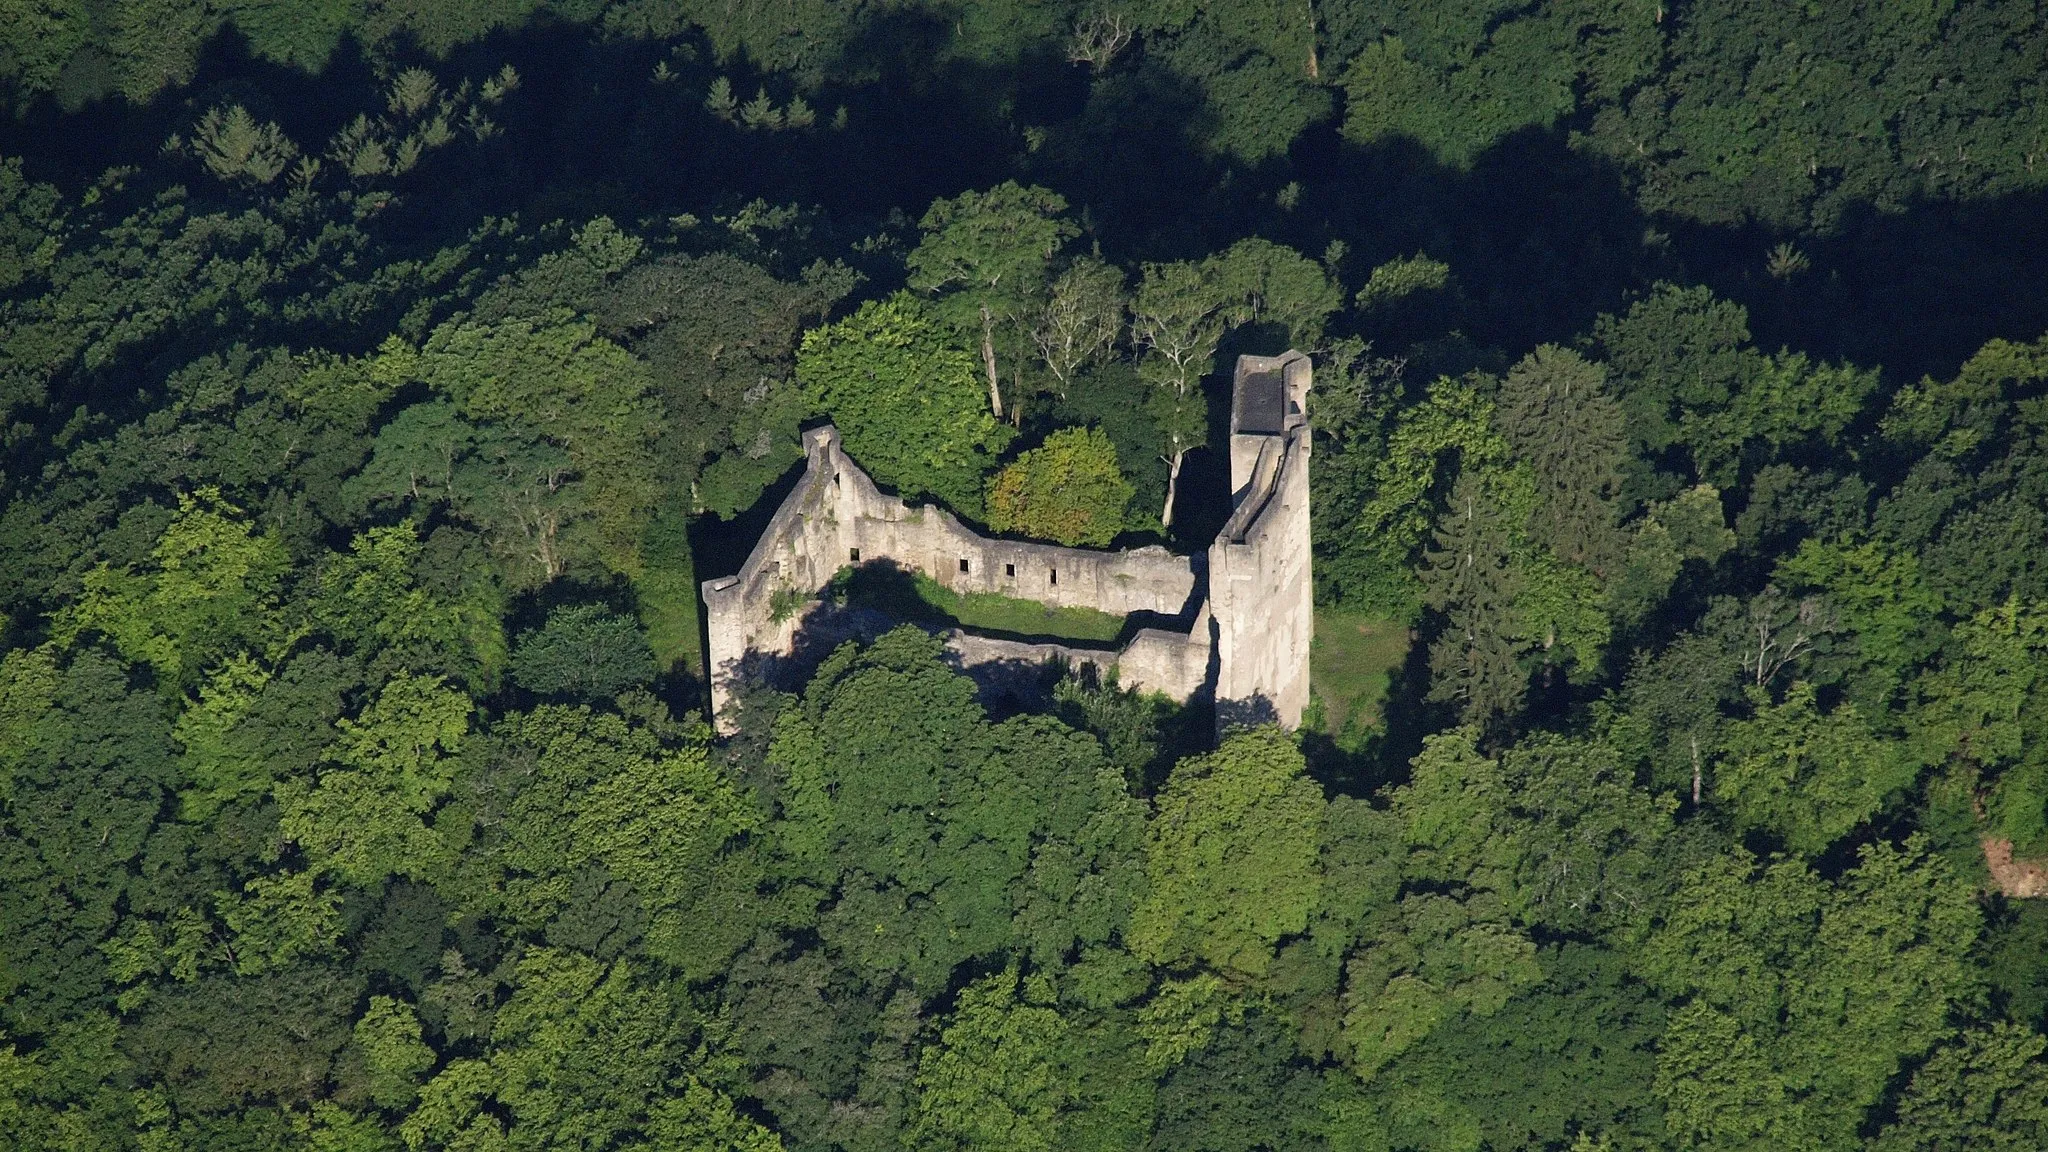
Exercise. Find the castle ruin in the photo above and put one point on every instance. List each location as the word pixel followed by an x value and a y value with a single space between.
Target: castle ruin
pixel 1232 625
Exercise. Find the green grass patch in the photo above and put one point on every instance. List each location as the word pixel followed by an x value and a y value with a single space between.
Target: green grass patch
pixel 1350 667
pixel 915 596
pixel 666 590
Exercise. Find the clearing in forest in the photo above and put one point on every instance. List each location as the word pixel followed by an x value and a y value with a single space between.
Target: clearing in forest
pixel 1351 664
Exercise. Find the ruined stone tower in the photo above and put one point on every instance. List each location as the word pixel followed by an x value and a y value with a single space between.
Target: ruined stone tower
pixel 1260 591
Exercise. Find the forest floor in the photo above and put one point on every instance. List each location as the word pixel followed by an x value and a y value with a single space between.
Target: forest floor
pixel 1350 666
pixel 2019 879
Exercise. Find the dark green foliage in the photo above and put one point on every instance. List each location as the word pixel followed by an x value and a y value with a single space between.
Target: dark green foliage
pixel 583 650
pixel 366 428
pixel 1242 1092
pixel 945 837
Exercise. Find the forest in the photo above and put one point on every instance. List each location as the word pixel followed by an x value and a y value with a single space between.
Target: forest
pixel 380 378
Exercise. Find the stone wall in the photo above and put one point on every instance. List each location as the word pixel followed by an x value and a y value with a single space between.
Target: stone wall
pixel 836 517
pixel 1247 604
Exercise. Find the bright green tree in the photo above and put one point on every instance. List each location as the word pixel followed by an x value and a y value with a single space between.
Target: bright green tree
pixel 1810 777
pixel 210 586
pixel 1230 854
pixel 388 1036
pixel 367 818
pixel 1069 490
pixel 906 402
pixel 1001 1073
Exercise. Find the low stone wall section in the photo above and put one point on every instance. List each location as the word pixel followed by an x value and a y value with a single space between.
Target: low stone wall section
pixel 836 516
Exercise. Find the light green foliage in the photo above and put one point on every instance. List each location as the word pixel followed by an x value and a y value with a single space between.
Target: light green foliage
pixel 1807 776
pixel 1562 611
pixel 210 585
pixel 605 792
pixel 1000 1074
pixel 1556 826
pixel 366 819
pixel 702 1117
pixel 1177 318
pixel 584 1054
pixel 1806 996
pixel 278 920
pixel 371 599
pixel 329 1127
pixel 1879 597
pixel 1402 277
pixel 1230 857
pixel 1068 490
pixel 1264 282
pixel 1983 708
pixel 220 766
pixel 1430 905
pixel 907 403
pixel 1481 851
pixel 1445 957
pixel 1182 1016
pixel 1783 401
pixel 388 1035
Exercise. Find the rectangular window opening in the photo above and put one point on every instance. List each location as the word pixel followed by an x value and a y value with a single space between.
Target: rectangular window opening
pixel 853 554
pixel 963 563
pixel 1055 575
pixel 1010 570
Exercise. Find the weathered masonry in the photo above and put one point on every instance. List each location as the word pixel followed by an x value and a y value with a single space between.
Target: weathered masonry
pixel 1246 603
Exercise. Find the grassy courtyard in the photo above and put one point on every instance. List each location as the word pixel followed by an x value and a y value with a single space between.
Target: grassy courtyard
pixel 915 596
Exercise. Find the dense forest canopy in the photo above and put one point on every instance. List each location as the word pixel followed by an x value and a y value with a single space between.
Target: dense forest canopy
pixel 378 380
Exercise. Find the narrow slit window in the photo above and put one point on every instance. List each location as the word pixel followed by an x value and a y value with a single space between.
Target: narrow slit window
pixel 853 554
pixel 1010 570
pixel 963 563
pixel 1055 575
